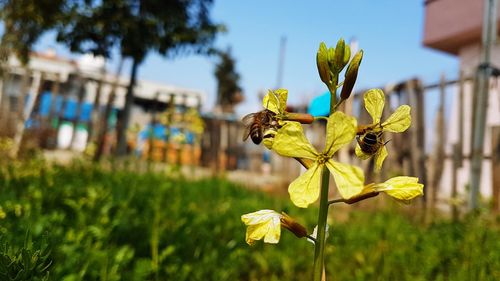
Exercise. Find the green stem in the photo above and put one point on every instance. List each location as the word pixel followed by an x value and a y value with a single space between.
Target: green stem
pixel 319 249
pixel 333 93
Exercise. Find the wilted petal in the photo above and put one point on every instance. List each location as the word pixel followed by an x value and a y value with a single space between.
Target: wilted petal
pixel 399 121
pixel 262 224
pixel 380 157
pixel 374 104
pixel 401 188
pixel 290 141
pixel 361 154
pixel 340 130
pixel 315 233
pixel 349 179
pixel 304 190
pixel 276 100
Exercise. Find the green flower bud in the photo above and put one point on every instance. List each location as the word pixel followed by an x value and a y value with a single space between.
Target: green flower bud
pixel 338 62
pixel 347 55
pixel 331 57
pixel 322 63
pixel 351 74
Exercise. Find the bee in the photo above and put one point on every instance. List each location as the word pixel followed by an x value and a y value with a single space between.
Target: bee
pixel 371 142
pixel 257 123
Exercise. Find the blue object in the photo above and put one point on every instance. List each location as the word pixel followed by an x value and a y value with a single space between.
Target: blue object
pixel 189 138
pixel 159 132
pixel 85 111
pixel 320 106
pixel 70 109
pixel 45 103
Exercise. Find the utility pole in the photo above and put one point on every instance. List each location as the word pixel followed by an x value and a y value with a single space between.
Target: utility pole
pixel 281 62
pixel 483 75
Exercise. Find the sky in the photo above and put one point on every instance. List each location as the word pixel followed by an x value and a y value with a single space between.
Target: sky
pixel 389 31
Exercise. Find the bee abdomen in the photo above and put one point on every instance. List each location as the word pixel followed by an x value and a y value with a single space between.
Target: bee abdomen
pixel 256 133
pixel 369 143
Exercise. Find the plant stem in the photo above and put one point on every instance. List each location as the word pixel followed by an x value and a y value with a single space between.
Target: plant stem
pixel 319 249
pixel 333 93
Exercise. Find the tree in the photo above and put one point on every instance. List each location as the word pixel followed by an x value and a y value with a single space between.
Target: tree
pixel 138 27
pixel 26 20
pixel 228 88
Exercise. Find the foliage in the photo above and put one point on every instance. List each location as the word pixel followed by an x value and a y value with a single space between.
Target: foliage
pixel 26 263
pixel 26 20
pixel 106 224
pixel 228 88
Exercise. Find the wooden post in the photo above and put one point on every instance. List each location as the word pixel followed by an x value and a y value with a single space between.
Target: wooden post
pixel 461 109
pixel 52 117
pixel 25 113
pixel 103 130
pixel 438 157
pixel 416 95
pixel 96 109
pixel 495 164
pixel 457 158
pixel 82 91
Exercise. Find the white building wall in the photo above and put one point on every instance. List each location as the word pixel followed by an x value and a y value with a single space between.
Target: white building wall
pixel 469 59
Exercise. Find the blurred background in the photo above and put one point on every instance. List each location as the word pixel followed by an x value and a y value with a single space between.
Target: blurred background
pixel 95 88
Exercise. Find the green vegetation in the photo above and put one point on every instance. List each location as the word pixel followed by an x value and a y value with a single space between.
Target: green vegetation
pixel 118 225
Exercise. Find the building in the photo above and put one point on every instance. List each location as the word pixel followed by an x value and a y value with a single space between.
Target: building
pixel 455 27
pixel 70 95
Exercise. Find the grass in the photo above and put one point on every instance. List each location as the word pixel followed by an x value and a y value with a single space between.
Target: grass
pixel 118 225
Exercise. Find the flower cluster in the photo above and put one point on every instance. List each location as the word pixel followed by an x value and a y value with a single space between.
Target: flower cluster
pixel 290 141
pixel 286 138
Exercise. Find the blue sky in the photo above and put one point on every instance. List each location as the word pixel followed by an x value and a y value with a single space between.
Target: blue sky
pixel 389 32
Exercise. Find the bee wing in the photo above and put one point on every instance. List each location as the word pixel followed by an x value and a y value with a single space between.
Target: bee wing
pixel 246 133
pixel 248 119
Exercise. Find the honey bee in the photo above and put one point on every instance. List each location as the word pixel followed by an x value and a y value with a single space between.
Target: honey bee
pixel 257 123
pixel 371 142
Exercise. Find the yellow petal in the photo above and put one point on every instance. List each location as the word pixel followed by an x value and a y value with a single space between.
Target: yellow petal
pixel 269 139
pixel 262 224
pixel 304 190
pixel 290 141
pixel 399 121
pixel 276 100
pixel 401 188
pixel 380 157
pixel 374 104
pixel 340 130
pixel 349 179
pixel 361 155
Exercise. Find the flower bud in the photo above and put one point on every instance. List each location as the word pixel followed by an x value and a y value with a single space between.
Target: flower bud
pixel 293 226
pixel 351 75
pixel 331 57
pixel 322 63
pixel 347 55
pixel 338 61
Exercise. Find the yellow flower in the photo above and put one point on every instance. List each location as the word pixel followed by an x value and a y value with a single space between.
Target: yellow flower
pixel 398 122
pixel 276 100
pixel 402 188
pixel 290 141
pixel 263 224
